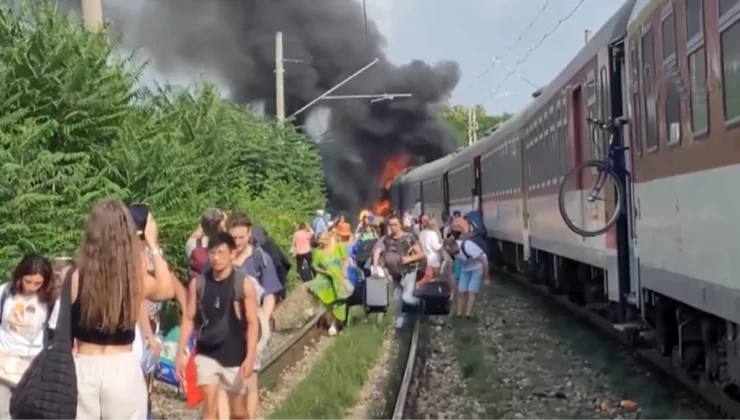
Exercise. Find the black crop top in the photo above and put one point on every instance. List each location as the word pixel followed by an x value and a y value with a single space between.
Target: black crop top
pixel 119 337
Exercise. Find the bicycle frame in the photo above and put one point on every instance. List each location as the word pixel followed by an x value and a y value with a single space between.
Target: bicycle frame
pixel 608 160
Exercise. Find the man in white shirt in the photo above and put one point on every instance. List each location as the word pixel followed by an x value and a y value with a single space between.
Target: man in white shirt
pixel 474 271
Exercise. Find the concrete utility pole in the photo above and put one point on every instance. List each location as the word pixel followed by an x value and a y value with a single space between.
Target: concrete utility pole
pixel 279 78
pixel 472 126
pixel 92 14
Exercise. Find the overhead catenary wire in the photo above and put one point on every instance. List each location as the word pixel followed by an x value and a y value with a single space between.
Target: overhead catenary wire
pixel 562 20
pixel 513 44
pixel 364 15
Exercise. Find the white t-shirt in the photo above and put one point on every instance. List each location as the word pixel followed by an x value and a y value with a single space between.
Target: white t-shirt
pixel 22 324
pixel 431 244
pixel 470 261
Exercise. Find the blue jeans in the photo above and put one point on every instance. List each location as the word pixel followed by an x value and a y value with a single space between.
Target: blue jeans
pixel 470 280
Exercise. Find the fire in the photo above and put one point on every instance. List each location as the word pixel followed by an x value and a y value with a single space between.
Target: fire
pixel 391 169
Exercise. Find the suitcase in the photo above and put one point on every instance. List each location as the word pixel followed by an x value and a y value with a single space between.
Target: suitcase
pixel 435 298
pixel 376 297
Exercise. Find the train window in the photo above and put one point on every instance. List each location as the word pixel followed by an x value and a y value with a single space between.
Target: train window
pixel 593 134
pixel 649 121
pixel 694 19
pixel 604 95
pixel 668 27
pixel 730 53
pixel 727 8
pixel 604 84
pixel 699 99
pixel 555 165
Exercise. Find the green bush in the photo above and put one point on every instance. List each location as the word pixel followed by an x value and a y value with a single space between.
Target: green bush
pixel 76 126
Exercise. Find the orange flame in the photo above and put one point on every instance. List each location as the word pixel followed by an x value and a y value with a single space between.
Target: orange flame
pixel 391 169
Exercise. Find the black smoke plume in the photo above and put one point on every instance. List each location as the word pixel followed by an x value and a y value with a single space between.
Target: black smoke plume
pixel 233 42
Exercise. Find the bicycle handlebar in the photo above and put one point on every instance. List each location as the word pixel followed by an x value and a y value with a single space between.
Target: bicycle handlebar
pixel 605 125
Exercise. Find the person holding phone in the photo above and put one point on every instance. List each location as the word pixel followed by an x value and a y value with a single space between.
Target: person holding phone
pixel 108 288
pixel 146 343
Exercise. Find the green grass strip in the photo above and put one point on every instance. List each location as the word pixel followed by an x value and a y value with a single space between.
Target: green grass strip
pixel 330 388
pixel 479 375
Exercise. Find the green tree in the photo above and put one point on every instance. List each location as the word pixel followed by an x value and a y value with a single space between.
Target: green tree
pixel 76 126
pixel 458 116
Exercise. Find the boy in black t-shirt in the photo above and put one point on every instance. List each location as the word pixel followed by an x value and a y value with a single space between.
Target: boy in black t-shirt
pixel 223 305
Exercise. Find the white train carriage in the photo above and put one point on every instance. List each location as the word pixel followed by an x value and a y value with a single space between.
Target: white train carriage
pixel 673 67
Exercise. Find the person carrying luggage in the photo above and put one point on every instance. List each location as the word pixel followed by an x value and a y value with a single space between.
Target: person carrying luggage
pixel 400 255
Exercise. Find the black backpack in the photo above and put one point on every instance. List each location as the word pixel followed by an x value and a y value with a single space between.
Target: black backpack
pixel 279 259
pixel 364 251
pixel 48 388
pixel 478 239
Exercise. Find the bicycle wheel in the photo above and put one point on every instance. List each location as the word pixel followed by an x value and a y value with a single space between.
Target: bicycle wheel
pixel 590 198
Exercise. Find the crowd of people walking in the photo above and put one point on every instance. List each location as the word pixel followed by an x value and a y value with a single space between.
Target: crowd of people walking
pixel 108 299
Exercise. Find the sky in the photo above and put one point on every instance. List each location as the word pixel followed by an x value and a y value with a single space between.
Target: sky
pixel 472 32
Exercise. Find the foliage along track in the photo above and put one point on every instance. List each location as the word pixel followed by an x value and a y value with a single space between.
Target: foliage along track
pixel 331 387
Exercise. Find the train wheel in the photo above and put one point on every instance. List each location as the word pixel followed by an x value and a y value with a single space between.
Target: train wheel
pixel 580 208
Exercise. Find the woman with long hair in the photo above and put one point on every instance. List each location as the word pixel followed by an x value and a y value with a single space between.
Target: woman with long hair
pixel 301 248
pixel 108 289
pixel 26 310
pixel 330 262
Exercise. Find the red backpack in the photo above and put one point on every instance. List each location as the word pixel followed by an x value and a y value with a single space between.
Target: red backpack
pixel 198 259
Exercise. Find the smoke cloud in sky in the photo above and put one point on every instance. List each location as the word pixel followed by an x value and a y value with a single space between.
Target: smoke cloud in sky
pixel 232 43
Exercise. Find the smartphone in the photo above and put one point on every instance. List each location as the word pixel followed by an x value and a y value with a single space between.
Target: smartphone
pixel 140 214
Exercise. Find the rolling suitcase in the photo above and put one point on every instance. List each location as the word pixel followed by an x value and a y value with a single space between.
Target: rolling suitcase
pixel 376 297
pixel 435 298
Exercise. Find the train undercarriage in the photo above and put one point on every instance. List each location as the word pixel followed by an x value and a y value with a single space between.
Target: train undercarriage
pixel 698 346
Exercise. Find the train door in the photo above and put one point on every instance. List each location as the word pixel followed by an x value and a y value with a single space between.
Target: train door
pixel 445 194
pixel 520 144
pixel 477 186
pixel 628 259
pixel 575 140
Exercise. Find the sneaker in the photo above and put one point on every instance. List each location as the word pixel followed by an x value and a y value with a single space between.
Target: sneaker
pixel 399 322
pixel 332 331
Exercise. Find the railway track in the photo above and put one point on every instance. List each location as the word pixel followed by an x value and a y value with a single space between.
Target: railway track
pixel 403 394
pixel 535 360
pixel 717 397
pixel 286 348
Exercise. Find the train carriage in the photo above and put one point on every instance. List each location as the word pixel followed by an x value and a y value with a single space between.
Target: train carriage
pixel 667 269
pixel 684 98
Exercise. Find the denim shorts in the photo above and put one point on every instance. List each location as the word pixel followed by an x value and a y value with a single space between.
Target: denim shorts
pixel 470 280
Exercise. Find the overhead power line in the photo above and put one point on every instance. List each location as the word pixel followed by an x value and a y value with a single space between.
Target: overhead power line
pixel 536 46
pixel 513 44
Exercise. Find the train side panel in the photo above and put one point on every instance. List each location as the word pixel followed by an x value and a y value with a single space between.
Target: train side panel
pixel 502 202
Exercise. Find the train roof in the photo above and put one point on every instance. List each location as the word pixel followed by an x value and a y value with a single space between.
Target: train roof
pixel 428 170
pixel 614 29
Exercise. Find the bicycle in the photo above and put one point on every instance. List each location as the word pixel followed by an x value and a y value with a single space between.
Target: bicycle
pixel 603 170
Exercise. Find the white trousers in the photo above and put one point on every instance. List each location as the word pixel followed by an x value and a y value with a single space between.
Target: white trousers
pixel 110 387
